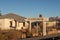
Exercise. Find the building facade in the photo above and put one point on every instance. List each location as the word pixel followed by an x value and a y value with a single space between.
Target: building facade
pixel 11 21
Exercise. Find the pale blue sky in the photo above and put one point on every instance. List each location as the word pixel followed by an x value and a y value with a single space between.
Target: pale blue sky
pixel 31 8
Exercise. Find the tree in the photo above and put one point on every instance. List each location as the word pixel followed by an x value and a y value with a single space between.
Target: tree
pixel 0 13
pixel 40 15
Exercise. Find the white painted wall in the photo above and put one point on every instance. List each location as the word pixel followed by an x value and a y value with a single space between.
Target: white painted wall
pixel 26 24
pixel 2 22
pixel 7 23
pixel 19 26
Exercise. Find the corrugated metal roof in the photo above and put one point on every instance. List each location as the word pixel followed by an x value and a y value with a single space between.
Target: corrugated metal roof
pixel 13 16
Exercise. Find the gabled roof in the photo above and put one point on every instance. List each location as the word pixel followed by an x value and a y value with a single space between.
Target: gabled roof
pixel 13 16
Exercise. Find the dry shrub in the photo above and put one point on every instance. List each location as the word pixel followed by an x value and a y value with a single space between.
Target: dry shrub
pixel 10 35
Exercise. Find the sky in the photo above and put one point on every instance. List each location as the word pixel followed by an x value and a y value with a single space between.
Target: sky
pixel 31 8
